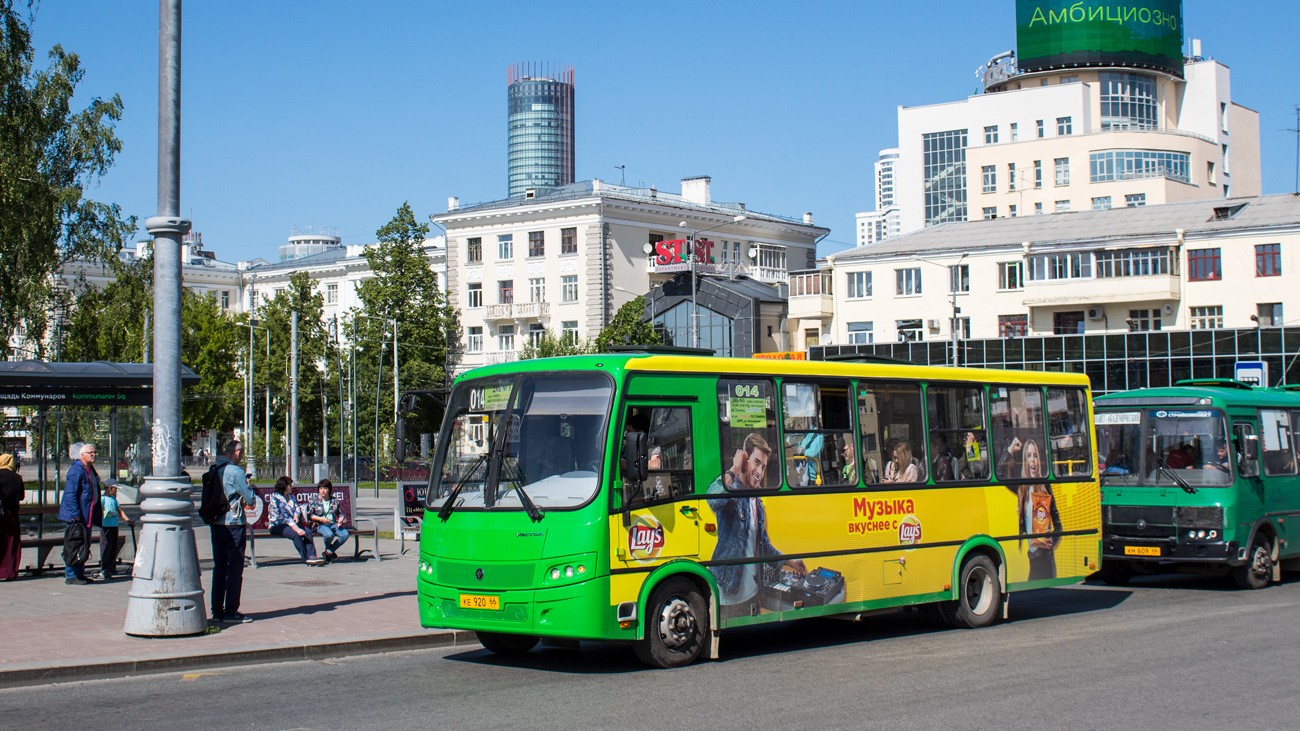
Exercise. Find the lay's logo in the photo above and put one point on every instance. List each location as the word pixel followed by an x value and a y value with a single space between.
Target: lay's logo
pixel 645 539
pixel 909 530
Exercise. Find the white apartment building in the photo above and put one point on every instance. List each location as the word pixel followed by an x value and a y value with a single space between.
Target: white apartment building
pixel 885 221
pixel 1075 139
pixel 566 259
pixel 1197 265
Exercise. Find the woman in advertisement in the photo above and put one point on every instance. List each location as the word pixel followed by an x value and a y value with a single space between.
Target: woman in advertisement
pixel 1038 514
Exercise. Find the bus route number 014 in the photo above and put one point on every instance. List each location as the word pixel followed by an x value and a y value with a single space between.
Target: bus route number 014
pixel 750 391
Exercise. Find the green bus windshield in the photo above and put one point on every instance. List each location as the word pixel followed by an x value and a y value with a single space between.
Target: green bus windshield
pixel 1147 447
pixel 542 433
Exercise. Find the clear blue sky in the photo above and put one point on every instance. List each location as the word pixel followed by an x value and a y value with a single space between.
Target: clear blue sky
pixel 334 113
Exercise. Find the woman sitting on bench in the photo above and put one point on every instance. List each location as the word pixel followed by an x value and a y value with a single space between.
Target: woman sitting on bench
pixel 284 522
pixel 323 512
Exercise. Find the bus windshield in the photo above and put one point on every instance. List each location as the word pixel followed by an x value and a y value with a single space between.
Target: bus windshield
pixel 509 439
pixel 1148 447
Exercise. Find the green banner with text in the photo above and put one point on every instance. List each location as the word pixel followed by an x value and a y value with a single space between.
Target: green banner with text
pixel 1067 33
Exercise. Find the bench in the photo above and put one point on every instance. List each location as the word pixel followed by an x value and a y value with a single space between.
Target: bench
pixel 258 517
pixel 46 543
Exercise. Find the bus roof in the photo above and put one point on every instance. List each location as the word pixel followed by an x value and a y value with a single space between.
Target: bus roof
pixel 642 362
pixel 1203 392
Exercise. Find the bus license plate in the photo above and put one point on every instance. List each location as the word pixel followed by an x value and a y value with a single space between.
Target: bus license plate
pixel 479 601
pixel 1128 551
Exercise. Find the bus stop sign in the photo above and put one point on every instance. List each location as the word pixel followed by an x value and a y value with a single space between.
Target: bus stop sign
pixel 1254 372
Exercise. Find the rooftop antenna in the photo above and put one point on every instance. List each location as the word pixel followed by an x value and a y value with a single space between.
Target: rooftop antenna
pixel 1296 129
pixel 622 172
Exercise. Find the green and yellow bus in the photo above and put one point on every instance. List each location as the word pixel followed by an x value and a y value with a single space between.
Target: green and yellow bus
pixel 658 499
pixel 1200 477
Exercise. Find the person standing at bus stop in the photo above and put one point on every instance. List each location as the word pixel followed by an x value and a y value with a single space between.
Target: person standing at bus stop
pixel 229 535
pixel 79 509
pixel 11 499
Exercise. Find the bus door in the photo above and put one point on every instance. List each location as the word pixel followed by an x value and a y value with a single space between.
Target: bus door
pixel 662 517
pixel 1278 465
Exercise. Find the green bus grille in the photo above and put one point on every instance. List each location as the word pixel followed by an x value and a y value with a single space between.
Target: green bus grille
pixel 496 576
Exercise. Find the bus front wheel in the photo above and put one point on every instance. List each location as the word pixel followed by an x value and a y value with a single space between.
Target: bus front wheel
pixel 978 594
pixel 1115 573
pixel 1258 570
pixel 677 625
pixel 507 644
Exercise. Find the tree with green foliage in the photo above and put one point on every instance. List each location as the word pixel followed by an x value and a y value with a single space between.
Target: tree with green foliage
pixel 551 346
pixel 629 327
pixel 108 323
pixel 49 155
pixel 404 288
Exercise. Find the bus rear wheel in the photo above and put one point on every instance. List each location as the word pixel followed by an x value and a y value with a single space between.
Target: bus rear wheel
pixel 677 625
pixel 507 644
pixel 1258 570
pixel 979 593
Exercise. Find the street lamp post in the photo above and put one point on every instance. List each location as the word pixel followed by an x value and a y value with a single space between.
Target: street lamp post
pixel 952 358
pixel 690 248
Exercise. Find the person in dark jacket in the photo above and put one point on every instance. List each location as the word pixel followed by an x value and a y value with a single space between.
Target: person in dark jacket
pixel 11 496
pixel 79 509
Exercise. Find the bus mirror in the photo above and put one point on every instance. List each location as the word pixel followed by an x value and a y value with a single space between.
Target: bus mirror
pixel 635 457
pixel 399 444
pixel 1252 446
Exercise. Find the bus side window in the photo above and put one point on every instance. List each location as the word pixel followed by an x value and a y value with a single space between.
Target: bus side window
pixel 892 432
pixel 1277 448
pixel 819 444
pixel 958 433
pixel 747 435
pixel 1067 422
pixel 1016 413
pixel 670 462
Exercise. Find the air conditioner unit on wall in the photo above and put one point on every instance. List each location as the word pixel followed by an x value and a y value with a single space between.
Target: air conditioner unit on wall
pixel 1095 313
pixel 933 324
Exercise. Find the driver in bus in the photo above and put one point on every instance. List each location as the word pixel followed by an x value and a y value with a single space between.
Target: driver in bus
pixel 1218 460
pixel 742 525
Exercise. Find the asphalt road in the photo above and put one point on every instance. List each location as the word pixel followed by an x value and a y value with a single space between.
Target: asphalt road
pixel 1166 652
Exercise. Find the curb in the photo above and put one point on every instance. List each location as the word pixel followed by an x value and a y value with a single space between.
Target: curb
pixel 18 678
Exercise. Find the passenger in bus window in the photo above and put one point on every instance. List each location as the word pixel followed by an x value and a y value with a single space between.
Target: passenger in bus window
pixel 970 462
pixel 902 468
pixel 848 472
pixel 1036 506
pixel 943 460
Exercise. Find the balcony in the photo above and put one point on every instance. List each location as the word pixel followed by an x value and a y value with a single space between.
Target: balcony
pixel 811 307
pixel 500 356
pixel 518 311
pixel 1102 290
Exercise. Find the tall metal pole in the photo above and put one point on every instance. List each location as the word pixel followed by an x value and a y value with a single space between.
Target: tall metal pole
pixel 293 397
pixel 343 445
pixel 379 388
pixel 695 320
pixel 166 598
pixel 352 397
pixel 395 385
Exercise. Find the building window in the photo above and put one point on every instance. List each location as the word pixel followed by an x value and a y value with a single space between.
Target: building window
pixel 1128 101
pixel 474 340
pixel 505 291
pixel 506 246
pixel 991 135
pixel 1039 125
pixel 537 289
pixel 1143 320
pixel 944 166
pixel 1132 263
pixel 225 297
pixel 506 337
pixel 1011 176
pixel 1268 260
pixel 1051 267
pixel 990 173
pixel 569 332
pixel 1011 275
pixel 569 288
pixel 1013 326
pixel 1269 314
pixel 1069 79
pixel 1038 174
pixel 1063 206
pixel 1062 170
pixel 1206 318
pixel 908 281
pixel 860 333
pixel 959 278
pixel 1135 200
pixel 1209 174
pixel 535 333
pixel 960 326
pixel 1067 323
pixel 1109 165
pixel 1011 210
pixel 909 331
pixel 771 257
pixel 1101 203
pixel 474 250
pixel 1064 126
pixel 859 285
pixel 1015 131
pixel 990 213
pixel 536 243
pixel 331 294
pixel 1203 265
pixel 1038 208
pixel 568 241
pixel 475 295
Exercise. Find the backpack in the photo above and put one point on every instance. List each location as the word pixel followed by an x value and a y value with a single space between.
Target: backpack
pixel 214 504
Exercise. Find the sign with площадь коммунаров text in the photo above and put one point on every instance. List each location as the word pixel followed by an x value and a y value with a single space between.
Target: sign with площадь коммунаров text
pixel 75 396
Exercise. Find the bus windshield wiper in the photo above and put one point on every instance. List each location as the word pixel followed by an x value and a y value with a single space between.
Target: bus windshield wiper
pixel 450 504
pixel 1169 471
pixel 533 511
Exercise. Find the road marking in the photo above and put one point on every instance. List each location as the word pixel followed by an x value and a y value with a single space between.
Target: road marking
pixel 191 677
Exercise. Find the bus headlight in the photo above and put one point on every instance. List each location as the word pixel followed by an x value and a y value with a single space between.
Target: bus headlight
pixel 569 570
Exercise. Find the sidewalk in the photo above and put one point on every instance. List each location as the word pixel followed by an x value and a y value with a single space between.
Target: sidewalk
pixel 57 632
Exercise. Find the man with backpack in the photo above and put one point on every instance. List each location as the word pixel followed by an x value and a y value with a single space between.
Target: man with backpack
pixel 229 532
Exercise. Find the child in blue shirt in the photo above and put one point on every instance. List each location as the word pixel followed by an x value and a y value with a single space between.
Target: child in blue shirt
pixel 108 531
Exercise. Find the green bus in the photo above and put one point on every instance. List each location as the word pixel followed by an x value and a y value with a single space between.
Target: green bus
pixel 1199 477
pixel 657 499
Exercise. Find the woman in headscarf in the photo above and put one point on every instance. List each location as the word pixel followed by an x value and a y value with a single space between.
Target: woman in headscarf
pixel 11 497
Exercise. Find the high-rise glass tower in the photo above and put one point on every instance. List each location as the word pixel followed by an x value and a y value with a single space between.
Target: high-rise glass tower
pixel 541 126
